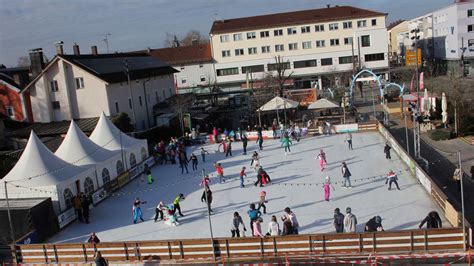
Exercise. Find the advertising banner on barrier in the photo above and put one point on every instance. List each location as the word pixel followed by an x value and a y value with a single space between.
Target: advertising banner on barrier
pixel 266 134
pixel 423 179
pixel 346 128
pixel 30 238
pixel 99 196
pixel 123 179
pixel 66 218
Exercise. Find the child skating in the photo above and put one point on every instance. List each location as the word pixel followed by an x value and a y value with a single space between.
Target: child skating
pixel 321 162
pixel 220 172
pixel 194 161
pixel 262 201
pixel 137 210
pixel 285 142
pixel 203 154
pixel 327 188
pixel 242 174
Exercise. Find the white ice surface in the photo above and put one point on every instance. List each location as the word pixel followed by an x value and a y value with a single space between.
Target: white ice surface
pixel 112 219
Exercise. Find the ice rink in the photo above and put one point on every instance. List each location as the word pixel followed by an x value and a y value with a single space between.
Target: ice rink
pixel 297 183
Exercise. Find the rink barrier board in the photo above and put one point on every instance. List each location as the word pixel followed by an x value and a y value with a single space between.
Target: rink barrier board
pixel 407 241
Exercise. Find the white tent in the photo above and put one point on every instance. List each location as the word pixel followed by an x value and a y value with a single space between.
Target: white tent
pixel 40 173
pixel 78 149
pixel 322 104
pixel 278 103
pixel 108 136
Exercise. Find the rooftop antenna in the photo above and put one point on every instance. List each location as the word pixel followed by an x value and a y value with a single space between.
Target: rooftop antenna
pixel 106 40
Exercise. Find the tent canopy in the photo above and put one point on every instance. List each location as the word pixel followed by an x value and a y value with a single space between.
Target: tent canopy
pixel 322 104
pixel 39 167
pixel 78 149
pixel 278 103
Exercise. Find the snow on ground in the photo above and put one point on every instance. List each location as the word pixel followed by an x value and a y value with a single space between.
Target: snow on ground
pixel 294 185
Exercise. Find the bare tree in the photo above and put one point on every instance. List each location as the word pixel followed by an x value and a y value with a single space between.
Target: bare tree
pixel 171 40
pixel 23 61
pixel 279 75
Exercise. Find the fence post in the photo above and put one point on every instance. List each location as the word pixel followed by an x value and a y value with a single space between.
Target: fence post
pixel 426 239
pixel 361 244
pixel 137 251
pixel 412 240
pixel 55 253
pixel 181 249
pixel 323 242
pixel 227 248
pixel 310 244
pixel 15 257
pixel 261 247
pixel 45 254
pixel 170 253
pixel 84 252
pixel 275 251
pixel 374 244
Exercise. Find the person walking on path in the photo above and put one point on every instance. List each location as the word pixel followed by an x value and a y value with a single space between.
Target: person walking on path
pixel 285 142
pixel 159 211
pixel 386 150
pixel 235 227
pixel 374 225
pixel 183 162
pixel 194 161
pixel 327 188
pixel 349 141
pixel 432 220
pixel 287 228
pixel 338 221
pixel 229 148
pixel 85 207
pixel 257 227
pixel 147 172
pixel 392 178
pixel 244 143
pixel 262 201
pixel 350 221
pixel 346 174
pixel 320 158
pixel 242 174
pixel 292 217
pixel 207 197
pixel 273 227
pixel 220 172
pixel 78 207
pixel 176 203
pixel 137 210
pixel 253 215
pixel 203 154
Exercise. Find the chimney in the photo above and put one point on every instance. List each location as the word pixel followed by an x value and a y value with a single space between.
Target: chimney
pixel 328 5
pixel 36 61
pixel 76 50
pixel 59 47
pixel 94 50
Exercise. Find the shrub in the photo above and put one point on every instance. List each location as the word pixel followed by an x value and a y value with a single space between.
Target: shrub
pixel 440 134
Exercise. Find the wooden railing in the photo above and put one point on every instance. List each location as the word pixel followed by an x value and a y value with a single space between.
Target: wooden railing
pixel 344 244
pixel 370 125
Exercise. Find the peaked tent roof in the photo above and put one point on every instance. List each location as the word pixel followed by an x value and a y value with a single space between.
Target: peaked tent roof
pixel 108 136
pixel 279 103
pixel 78 149
pixel 322 104
pixel 38 166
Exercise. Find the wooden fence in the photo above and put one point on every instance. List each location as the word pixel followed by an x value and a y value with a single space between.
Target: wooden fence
pixel 370 125
pixel 229 249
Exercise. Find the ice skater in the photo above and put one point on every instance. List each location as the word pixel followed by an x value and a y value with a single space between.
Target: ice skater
pixel 147 172
pixel 349 141
pixel 137 210
pixel 203 154
pixel 236 222
pixel 338 221
pixel 321 161
pixel 323 155
pixel 285 142
pixel 374 225
pixel 224 146
pixel 350 221
pixel 242 174
pixel 346 174
pixel 159 211
pixel 292 217
pixel 260 141
pixel 194 161
pixel 432 220
pixel 262 201
pixel 183 162
pixel 244 143
pixel 207 197
pixel 254 214
pixel 386 150
pixel 205 182
pixel 327 188
pixel 220 172
pixel 229 148
pixel 255 162
pixel 392 178
pixel 176 204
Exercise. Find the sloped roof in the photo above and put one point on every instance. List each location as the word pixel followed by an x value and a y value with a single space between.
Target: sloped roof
pixel 184 54
pixel 108 136
pixel 9 82
pixel 38 166
pixel 322 104
pixel 279 103
pixel 395 23
pixel 78 149
pixel 291 18
pixel 54 128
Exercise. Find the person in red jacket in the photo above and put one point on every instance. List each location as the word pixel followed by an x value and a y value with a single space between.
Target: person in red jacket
pixel 220 172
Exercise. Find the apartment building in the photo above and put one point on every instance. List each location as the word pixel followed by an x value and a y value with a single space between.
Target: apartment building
pixel 394 48
pixel 83 86
pixel 313 43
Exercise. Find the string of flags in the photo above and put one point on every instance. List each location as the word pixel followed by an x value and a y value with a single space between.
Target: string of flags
pixel 30 189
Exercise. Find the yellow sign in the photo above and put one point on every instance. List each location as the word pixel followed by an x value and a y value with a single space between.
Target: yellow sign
pixel 123 179
pixel 410 57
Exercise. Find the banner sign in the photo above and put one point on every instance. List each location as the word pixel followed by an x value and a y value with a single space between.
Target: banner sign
pixel 123 179
pixel 99 196
pixel 346 128
pixel 66 218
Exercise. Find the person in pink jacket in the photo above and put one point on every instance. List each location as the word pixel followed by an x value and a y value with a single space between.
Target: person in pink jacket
pixel 327 188
pixel 257 227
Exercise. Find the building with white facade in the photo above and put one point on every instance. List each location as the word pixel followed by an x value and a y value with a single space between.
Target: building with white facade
pixel 314 43
pixel 83 86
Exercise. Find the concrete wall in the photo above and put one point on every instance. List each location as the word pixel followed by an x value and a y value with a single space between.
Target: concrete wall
pixel 193 73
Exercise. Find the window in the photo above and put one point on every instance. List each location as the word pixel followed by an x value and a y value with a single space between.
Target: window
pixel 334 42
pixel 264 34
pixel 265 49
pixel 119 167
pixel 470 43
pixel 307 45
pixel 239 52
pixel 305 63
pixel 305 29
pixel 143 153
pixel 56 105
pixel 348 40
pixel 347 25
pixel 203 78
pixel 279 48
pixel 326 61
pixel 374 22
pixel 130 103
pixel 88 186
pixel 320 43
pixel 117 109
pixel 238 37
pixel 361 23
pixel 345 60
pixel 291 30
pixel 228 71
pixel 54 85
pixel 251 35
pixel 79 83
pixel 273 67
pixel 374 57
pixel 10 112
pixel 333 26
pixel 226 53
pixel 470 13
pixel 133 160
pixel 140 100
pixel 224 38
pixel 365 40
pixel 293 46
pixel 105 176
pixel 253 50
pixel 278 32
pixel 470 28
pixel 68 198
pixel 319 28
pixel 253 69
pixel 184 80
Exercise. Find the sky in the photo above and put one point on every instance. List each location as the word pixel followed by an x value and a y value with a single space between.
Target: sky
pixel 134 25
